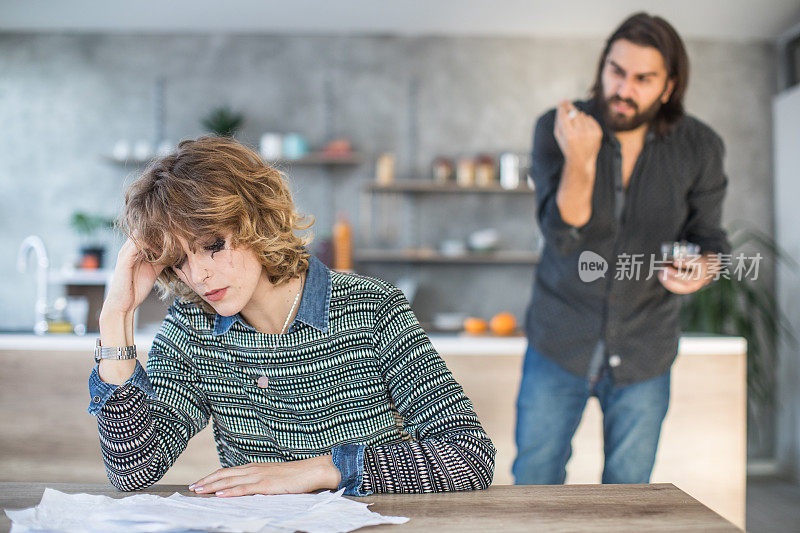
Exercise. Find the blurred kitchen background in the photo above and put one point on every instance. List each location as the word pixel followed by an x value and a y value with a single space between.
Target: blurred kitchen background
pixel 392 116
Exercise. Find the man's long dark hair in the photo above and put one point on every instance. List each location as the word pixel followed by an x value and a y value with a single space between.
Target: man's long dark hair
pixel 647 30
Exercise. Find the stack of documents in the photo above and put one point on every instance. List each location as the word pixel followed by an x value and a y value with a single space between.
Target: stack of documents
pixel 326 512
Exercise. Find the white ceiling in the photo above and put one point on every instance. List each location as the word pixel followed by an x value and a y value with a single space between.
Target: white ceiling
pixel 709 19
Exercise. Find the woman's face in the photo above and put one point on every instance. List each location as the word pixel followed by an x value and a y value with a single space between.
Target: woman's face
pixel 226 278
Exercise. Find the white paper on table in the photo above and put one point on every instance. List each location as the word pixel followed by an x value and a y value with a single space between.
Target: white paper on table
pixel 326 512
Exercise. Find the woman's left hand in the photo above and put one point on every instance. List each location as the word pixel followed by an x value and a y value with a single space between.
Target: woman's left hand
pixel 293 477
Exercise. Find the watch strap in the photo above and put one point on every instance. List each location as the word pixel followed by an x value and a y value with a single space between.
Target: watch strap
pixel 118 353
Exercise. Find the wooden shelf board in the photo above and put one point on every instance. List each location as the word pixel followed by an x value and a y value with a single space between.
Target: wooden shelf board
pixel 424 256
pixel 129 162
pixel 425 186
pixel 309 160
pixel 321 159
pixel 80 276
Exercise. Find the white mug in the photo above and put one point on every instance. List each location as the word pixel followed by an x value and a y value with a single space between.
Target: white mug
pixel 509 171
pixel 271 146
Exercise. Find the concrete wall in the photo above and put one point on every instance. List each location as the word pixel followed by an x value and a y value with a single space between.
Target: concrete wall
pixel 65 99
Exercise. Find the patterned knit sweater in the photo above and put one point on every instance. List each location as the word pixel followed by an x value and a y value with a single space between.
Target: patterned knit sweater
pixel 355 375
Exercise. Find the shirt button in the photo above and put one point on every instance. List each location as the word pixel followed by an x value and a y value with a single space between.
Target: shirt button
pixel 263 382
pixel 96 399
pixel 614 361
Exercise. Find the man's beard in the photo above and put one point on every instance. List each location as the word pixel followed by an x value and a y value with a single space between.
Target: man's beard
pixel 619 122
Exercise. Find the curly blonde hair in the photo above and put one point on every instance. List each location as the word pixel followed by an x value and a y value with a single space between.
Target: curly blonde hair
pixel 214 186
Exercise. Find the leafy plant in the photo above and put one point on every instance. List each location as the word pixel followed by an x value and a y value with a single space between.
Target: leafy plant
pixel 223 121
pixel 746 307
pixel 88 225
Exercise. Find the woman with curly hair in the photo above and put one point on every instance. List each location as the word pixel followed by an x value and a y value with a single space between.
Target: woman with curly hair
pixel 312 379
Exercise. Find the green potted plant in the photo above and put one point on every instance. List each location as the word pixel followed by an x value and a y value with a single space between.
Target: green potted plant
pixel 223 121
pixel 745 306
pixel 89 229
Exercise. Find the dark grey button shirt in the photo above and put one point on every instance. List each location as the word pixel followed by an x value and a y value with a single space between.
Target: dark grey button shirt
pixel 675 193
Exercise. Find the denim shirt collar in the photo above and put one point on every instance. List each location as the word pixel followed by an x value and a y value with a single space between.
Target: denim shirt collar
pixel 314 303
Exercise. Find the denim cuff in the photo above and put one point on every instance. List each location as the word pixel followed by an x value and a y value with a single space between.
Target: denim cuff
pixel 349 459
pixel 100 391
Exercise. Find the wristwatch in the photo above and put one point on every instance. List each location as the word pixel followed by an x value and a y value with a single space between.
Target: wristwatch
pixel 118 352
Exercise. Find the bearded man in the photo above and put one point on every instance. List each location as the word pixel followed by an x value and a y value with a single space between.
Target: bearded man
pixel 617 177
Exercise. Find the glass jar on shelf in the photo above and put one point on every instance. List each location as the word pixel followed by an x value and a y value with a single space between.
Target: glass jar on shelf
pixel 442 170
pixel 465 172
pixel 484 171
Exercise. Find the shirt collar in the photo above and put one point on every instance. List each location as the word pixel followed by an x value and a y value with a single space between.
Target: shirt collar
pixel 316 300
pixel 314 303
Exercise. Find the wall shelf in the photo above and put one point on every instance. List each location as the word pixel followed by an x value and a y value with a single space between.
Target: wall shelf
pixel 322 159
pixel 312 159
pixel 418 186
pixel 129 162
pixel 433 257
pixel 80 276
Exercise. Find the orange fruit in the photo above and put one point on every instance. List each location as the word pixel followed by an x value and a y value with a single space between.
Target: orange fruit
pixel 475 326
pixel 90 262
pixel 503 324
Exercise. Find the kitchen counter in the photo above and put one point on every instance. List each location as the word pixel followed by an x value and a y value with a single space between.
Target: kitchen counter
pixel 703 440
pixel 450 344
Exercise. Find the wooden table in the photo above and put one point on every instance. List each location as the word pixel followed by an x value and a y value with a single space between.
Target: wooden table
pixel 597 508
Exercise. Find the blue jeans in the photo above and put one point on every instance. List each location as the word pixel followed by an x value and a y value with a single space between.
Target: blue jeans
pixel 549 409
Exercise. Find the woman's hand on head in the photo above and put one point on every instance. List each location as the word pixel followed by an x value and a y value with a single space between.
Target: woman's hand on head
pixel 132 281
pixel 293 477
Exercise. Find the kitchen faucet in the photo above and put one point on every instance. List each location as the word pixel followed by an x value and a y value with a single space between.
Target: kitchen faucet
pixel 36 244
